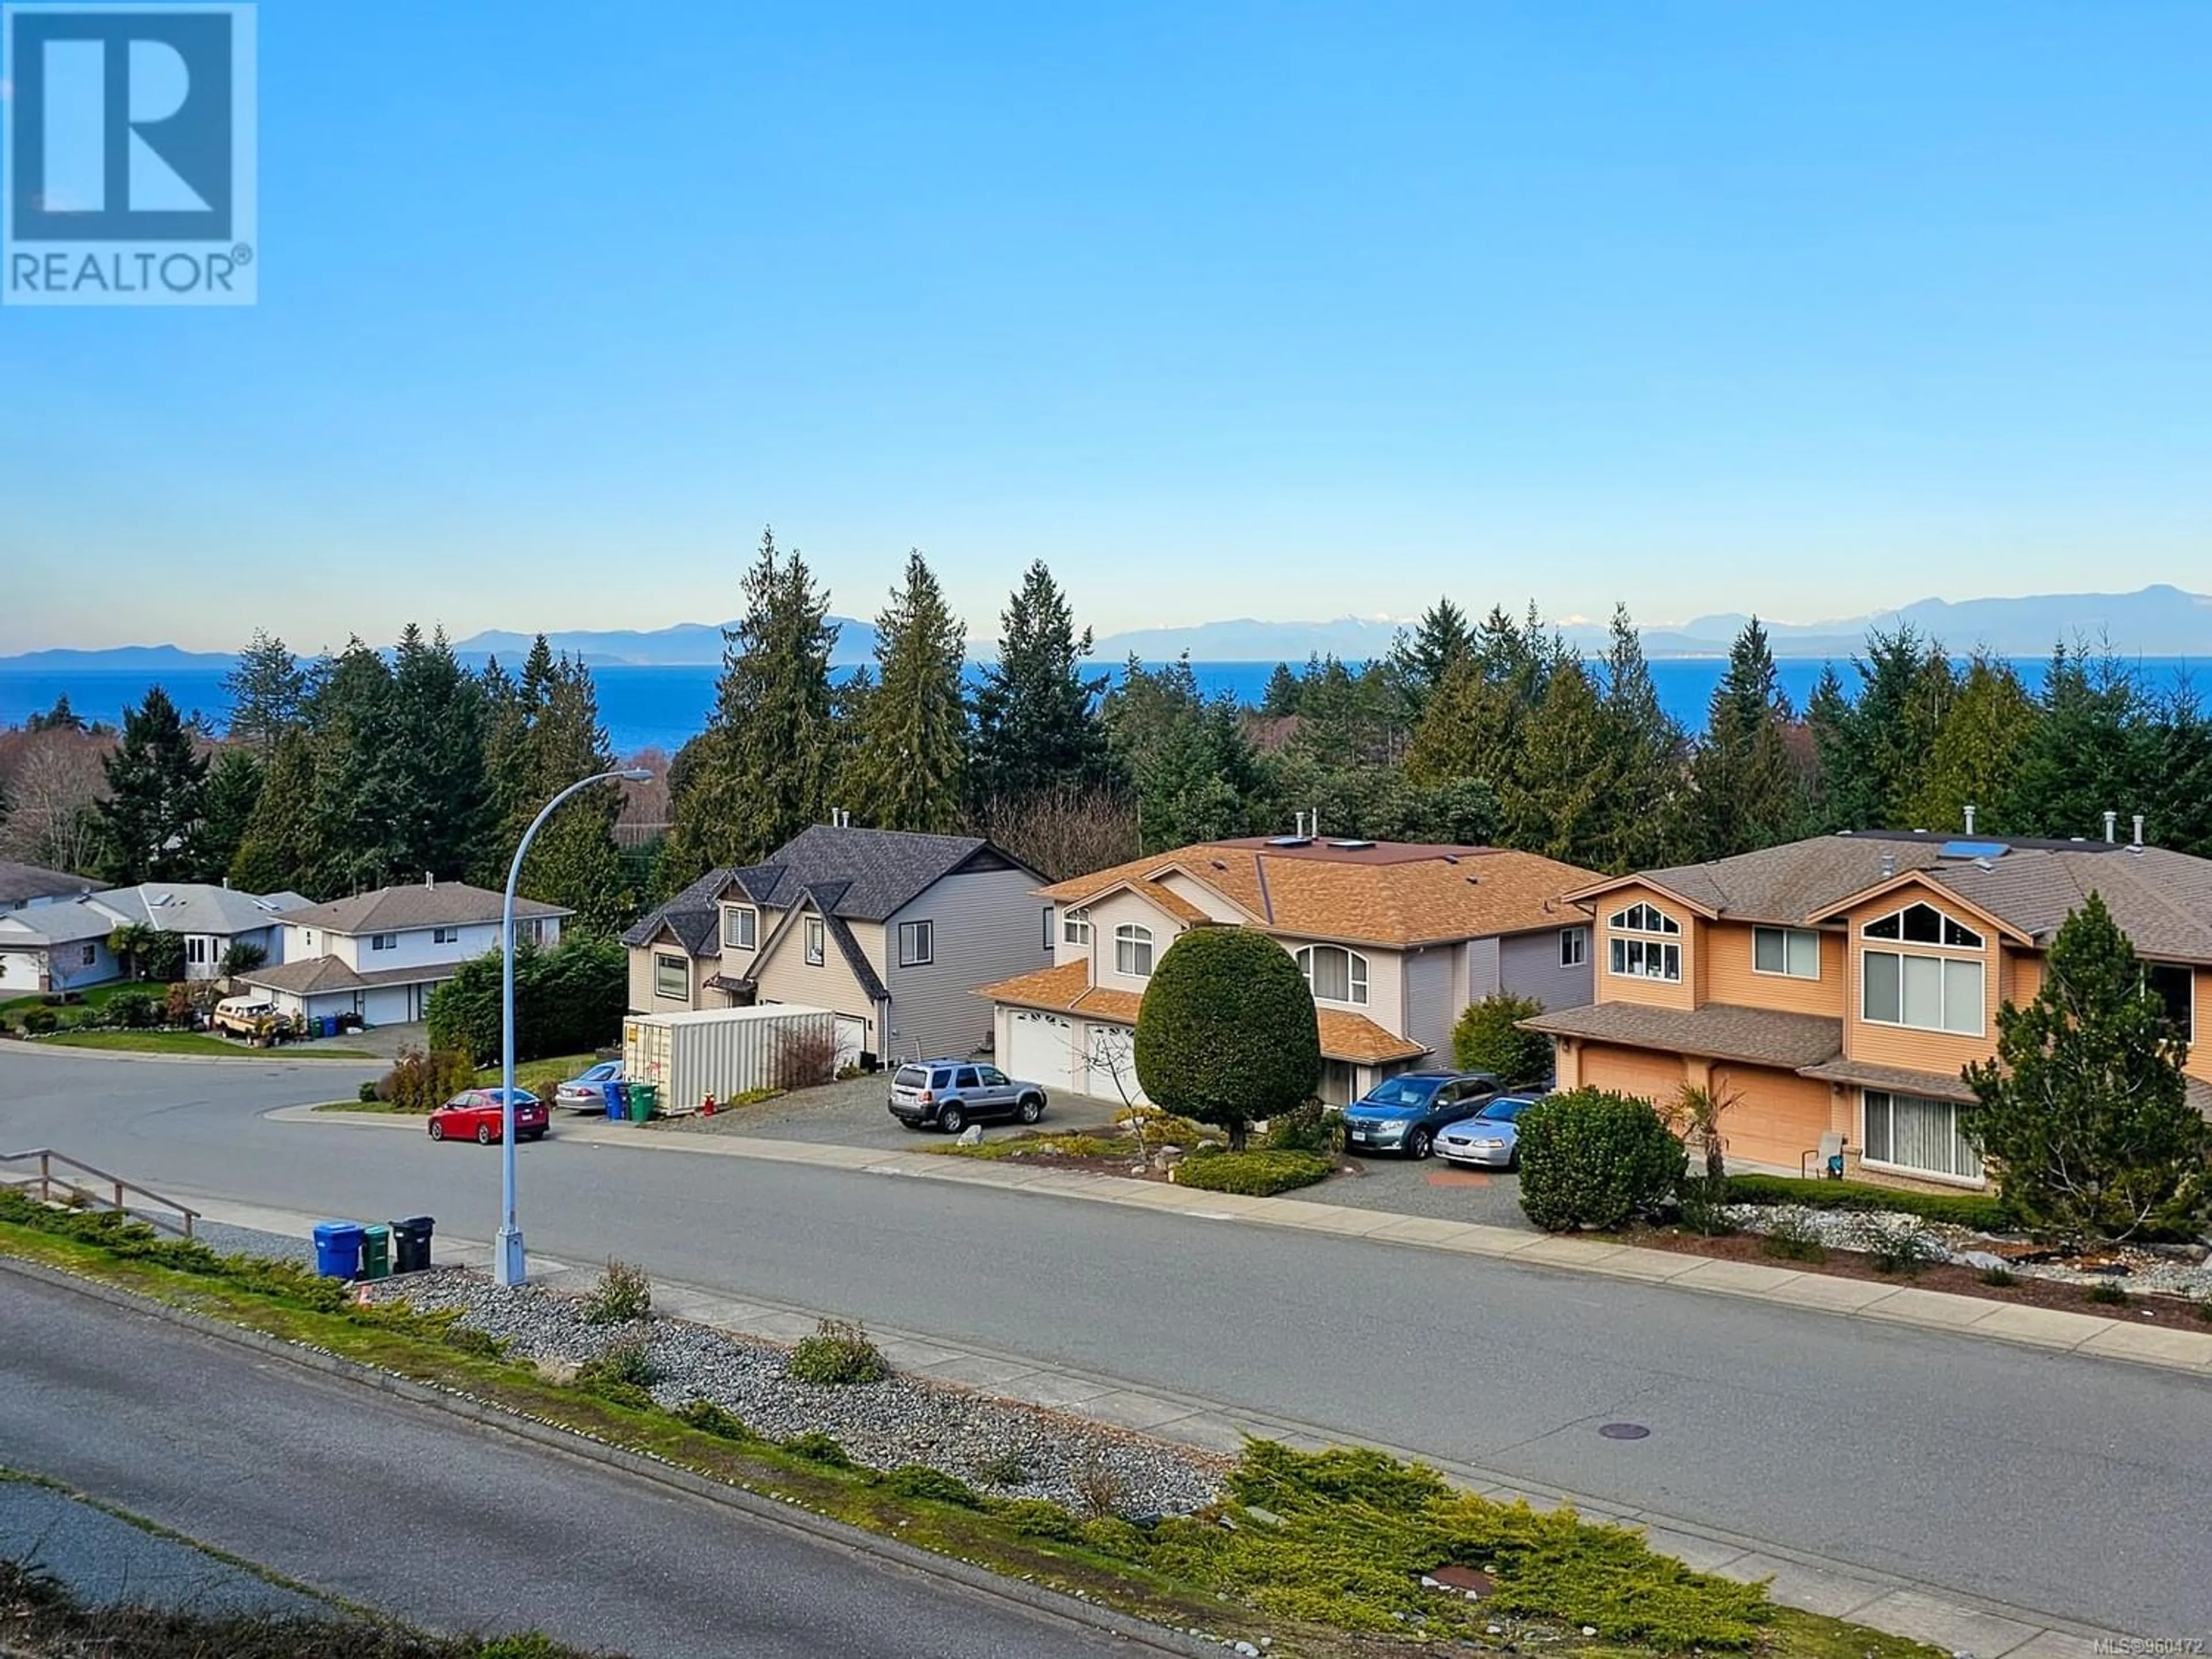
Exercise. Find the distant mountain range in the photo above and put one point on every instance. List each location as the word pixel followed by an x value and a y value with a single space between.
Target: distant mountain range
pixel 2160 621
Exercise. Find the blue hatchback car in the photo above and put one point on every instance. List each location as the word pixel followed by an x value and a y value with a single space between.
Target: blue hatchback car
pixel 1402 1113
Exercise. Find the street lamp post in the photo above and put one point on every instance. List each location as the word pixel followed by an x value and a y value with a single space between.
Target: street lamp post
pixel 508 1266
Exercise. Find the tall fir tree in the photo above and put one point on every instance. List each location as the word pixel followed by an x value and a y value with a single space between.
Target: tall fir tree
pixel 350 835
pixel 761 774
pixel 268 692
pixel 1874 748
pixel 1558 802
pixel 912 760
pixel 234 789
pixel 1747 790
pixel 150 823
pixel 575 861
pixel 2083 755
pixel 1420 661
pixel 1975 758
pixel 1642 812
pixel 1036 723
pixel 430 778
pixel 1281 696
pixel 277 848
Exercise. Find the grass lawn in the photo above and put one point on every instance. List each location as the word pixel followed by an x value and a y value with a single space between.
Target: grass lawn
pixel 93 997
pixel 528 1073
pixel 191 1042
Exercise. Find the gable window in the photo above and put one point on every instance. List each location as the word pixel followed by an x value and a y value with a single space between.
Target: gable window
pixel 1923 924
pixel 2176 987
pixel 1048 926
pixel 815 933
pixel 1907 1131
pixel 445 936
pixel 917 943
pixel 741 927
pixel 1792 951
pixel 1132 950
pixel 671 977
pixel 1075 928
pixel 1653 956
pixel 1927 993
pixel 195 948
pixel 384 941
pixel 1335 974
pixel 1574 947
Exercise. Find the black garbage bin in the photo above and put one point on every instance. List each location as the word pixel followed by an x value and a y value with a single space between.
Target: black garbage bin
pixel 410 1244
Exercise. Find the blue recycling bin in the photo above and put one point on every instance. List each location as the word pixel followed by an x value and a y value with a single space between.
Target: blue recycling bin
pixel 337 1249
pixel 617 1093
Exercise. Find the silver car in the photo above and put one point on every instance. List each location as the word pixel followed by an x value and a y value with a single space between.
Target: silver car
pixel 951 1094
pixel 1490 1139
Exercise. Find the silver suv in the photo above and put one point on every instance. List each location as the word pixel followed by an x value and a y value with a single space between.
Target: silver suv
pixel 951 1094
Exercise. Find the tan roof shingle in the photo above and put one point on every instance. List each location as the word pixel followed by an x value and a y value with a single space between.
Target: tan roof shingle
pixel 1719 1030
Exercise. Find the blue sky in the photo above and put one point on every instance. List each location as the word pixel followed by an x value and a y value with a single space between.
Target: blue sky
pixel 1223 309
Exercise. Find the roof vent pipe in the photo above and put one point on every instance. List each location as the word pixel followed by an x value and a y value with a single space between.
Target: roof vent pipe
pixel 1888 864
pixel 1301 818
pixel 1313 823
pixel 430 878
pixel 2138 840
pixel 1970 818
pixel 2111 825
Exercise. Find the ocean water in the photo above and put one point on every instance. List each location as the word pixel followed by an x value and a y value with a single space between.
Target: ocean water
pixel 663 707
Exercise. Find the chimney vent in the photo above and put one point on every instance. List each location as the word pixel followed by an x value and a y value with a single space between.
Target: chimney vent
pixel 1301 819
pixel 1313 824
pixel 1970 818
pixel 429 879
pixel 1888 863
pixel 2138 839
pixel 2111 825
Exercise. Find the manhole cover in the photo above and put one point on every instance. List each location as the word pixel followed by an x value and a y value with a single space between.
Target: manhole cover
pixel 1624 1431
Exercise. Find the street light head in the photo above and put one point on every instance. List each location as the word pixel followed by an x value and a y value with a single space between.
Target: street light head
pixel 634 775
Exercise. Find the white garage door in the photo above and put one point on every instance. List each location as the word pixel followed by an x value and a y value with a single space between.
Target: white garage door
pixel 1041 1048
pixel 1113 1066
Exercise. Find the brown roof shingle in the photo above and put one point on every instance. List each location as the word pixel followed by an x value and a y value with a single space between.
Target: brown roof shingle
pixel 1719 1030
pixel 397 909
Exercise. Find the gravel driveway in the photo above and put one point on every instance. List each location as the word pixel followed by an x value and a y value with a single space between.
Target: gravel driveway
pixel 854 1114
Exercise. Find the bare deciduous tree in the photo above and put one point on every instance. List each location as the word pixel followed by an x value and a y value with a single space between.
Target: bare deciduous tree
pixel 54 780
pixel 1063 832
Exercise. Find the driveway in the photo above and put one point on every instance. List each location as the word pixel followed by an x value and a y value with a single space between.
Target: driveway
pixel 1431 1187
pixel 854 1114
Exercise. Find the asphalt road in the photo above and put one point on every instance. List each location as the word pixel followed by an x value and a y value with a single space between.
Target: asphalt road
pixel 445 1524
pixel 2073 1487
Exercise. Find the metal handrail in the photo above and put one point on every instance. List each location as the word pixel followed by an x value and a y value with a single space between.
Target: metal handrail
pixel 47 1180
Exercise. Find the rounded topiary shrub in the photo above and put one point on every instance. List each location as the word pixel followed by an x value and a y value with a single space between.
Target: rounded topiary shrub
pixel 1227 1034
pixel 1593 1158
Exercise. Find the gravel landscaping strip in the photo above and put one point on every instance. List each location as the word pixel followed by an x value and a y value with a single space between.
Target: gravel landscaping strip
pixel 902 1420
pixel 227 1240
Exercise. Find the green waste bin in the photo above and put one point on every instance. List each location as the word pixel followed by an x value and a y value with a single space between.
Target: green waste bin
pixel 376 1252
pixel 644 1101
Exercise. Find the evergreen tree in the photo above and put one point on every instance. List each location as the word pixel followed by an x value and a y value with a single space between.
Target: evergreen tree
pixel 1641 812
pixel 156 785
pixel 1193 767
pixel 274 850
pixel 1558 800
pixel 2173 776
pixel 428 780
pixel 60 718
pixel 912 760
pixel 509 766
pixel 1281 696
pixel 2085 1111
pixel 2080 759
pixel 233 788
pixel 1746 789
pixel 575 861
pixel 1874 750
pixel 350 832
pixel 1975 758
pixel 268 690
pixel 763 775
pixel 1421 661
pixel 1037 727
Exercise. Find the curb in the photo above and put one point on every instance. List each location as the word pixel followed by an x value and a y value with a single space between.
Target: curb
pixel 568 1443
pixel 2186 1352
pixel 244 1057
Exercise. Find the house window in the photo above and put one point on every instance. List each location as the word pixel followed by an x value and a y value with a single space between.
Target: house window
pixel 1653 956
pixel 671 977
pixel 1335 974
pixel 196 950
pixel 1048 926
pixel 1908 1132
pixel 741 927
pixel 1923 924
pixel 2176 987
pixel 1792 951
pixel 1574 947
pixel 917 943
pixel 1132 950
pixel 1927 993
pixel 1075 928
pixel 384 941
pixel 531 932
pixel 91 956
pixel 814 941
pixel 445 936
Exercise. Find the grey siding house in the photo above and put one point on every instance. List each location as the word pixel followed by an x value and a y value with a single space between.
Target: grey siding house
pixel 891 931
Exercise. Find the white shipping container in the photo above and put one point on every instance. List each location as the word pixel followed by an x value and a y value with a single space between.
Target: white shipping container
pixel 723 1052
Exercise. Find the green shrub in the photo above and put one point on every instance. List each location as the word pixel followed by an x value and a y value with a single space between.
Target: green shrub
pixel 1955 1209
pixel 134 1011
pixel 367 1093
pixel 1228 1034
pixel 1005 1468
pixel 838 1355
pixel 1033 1517
pixel 1903 1250
pixel 1487 1037
pixel 1793 1238
pixel 708 1417
pixel 37 1022
pixel 1312 1128
pixel 1254 1175
pixel 818 1448
pixel 1593 1158
pixel 1163 1128
pixel 920 1480
pixel 567 1001
pixel 624 1374
pixel 468 1340
pixel 622 1294
pixel 420 1082
pixel 2110 1291
pixel 1998 1277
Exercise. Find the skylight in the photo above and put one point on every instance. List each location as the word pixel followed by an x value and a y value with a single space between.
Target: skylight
pixel 1291 840
pixel 1351 846
pixel 1972 850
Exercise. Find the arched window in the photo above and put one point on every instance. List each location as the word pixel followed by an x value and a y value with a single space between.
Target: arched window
pixel 1335 974
pixel 1132 950
pixel 1650 952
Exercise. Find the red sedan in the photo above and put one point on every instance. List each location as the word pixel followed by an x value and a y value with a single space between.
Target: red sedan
pixel 479 1115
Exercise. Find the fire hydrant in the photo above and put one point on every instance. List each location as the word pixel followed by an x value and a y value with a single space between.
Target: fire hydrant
pixel 707 1107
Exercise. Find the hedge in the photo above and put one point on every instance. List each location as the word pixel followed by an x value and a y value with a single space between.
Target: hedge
pixel 1253 1174
pixel 1956 1209
pixel 1593 1158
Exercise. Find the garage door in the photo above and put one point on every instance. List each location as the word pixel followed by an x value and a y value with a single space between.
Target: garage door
pixel 1655 1077
pixel 1778 1117
pixel 1113 1066
pixel 1041 1048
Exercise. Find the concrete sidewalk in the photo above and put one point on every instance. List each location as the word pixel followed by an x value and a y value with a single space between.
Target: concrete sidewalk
pixel 1960 1624
pixel 2090 1334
